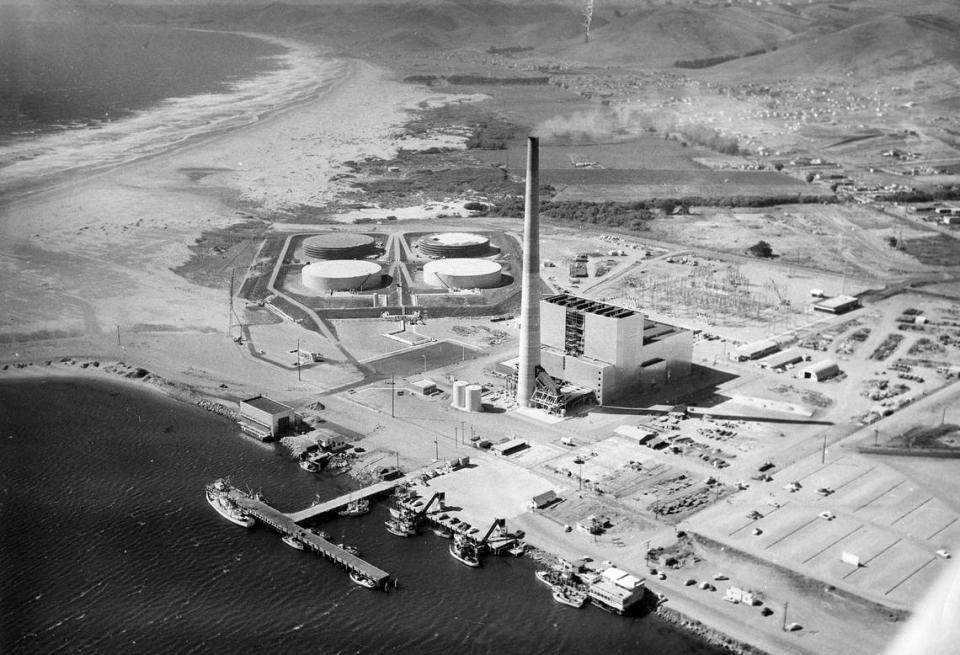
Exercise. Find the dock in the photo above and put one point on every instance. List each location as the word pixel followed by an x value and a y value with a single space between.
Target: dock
pixel 287 524
pixel 330 505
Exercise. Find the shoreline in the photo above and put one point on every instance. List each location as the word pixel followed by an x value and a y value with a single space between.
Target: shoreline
pixel 87 369
pixel 343 70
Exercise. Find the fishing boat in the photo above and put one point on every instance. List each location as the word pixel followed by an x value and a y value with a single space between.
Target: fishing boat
pixel 323 534
pixel 225 506
pixel 363 580
pixel 400 528
pixel 307 465
pixel 444 532
pixel 356 508
pixel 569 596
pixel 464 551
pixel 353 550
pixel 549 577
pixel 292 541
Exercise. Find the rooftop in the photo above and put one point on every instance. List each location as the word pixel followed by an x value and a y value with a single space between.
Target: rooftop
pixel 837 301
pixel 590 306
pixel 265 404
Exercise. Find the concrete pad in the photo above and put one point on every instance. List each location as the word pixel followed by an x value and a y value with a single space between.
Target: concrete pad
pixel 538 415
pixel 900 498
pixel 866 543
pixel 865 490
pixel 926 519
pixel 889 569
pixel 818 537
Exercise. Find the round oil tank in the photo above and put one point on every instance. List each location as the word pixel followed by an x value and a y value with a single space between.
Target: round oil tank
pixel 342 275
pixel 459 394
pixel 339 245
pixel 474 393
pixel 462 273
pixel 454 244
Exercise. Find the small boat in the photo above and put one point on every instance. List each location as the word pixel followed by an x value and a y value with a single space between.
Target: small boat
pixel 441 531
pixel 323 534
pixel 363 580
pixel 569 596
pixel 307 465
pixel 464 551
pixel 292 541
pixel 356 508
pixel 227 508
pixel 518 549
pixel 400 528
pixel 549 577
pixel 353 550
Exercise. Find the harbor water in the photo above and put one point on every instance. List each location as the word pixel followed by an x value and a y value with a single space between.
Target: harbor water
pixel 107 544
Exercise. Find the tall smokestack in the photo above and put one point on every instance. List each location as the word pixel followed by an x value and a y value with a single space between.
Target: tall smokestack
pixel 530 284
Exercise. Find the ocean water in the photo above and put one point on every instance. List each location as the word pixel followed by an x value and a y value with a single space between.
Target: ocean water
pixel 86 95
pixel 107 544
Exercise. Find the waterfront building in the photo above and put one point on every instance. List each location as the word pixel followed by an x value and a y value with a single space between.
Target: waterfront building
pixel 265 418
pixel 616 590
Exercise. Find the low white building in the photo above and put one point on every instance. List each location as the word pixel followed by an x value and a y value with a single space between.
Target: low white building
pixel 820 371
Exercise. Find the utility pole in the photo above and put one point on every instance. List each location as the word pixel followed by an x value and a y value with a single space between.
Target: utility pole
pixel 233 272
pixel 784 626
pixel 876 437
pixel 436 445
pixel 298 360
pixel 823 450
pixel 118 336
pixel 393 396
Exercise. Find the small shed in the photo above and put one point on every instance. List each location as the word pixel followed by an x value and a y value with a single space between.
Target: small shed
pixel 820 371
pixel 543 500
pixel 425 387
pixel 509 447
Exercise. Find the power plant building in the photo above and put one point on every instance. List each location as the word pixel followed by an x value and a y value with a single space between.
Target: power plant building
pixel 610 351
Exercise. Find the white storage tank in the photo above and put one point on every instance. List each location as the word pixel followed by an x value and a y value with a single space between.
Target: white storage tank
pixel 459 394
pixel 462 273
pixel 473 399
pixel 341 275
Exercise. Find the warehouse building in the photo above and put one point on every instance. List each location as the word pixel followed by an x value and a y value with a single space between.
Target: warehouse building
pixel 820 371
pixel 837 304
pixel 781 360
pixel 265 418
pixel 755 350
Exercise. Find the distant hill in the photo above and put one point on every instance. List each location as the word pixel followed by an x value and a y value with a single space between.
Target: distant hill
pixel 869 38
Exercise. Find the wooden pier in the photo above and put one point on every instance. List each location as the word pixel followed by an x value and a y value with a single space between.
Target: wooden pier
pixel 286 524
pixel 331 505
